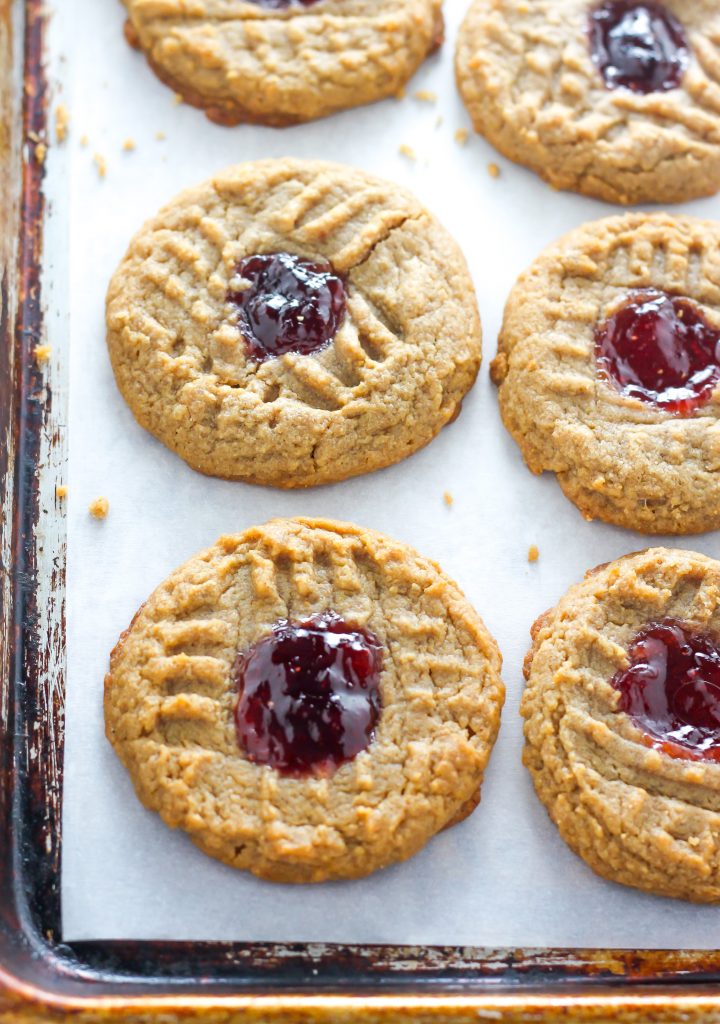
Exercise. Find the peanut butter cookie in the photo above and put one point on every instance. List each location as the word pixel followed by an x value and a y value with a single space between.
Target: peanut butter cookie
pixel 616 99
pixel 293 322
pixel 609 370
pixel 281 62
pixel 308 700
pixel 622 721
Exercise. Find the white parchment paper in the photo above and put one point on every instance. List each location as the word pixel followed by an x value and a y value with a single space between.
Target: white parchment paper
pixel 504 877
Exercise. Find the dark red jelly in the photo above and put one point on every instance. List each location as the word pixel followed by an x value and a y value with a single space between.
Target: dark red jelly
pixel 660 349
pixel 638 46
pixel 309 694
pixel 672 689
pixel 291 305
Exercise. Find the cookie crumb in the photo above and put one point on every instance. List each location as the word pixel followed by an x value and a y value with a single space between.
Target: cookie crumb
pixel 425 96
pixel 461 136
pixel 533 553
pixel 129 145
pixel 448 498
pixel 62 122
pixel 160 136
pixel 101 164
pixel 40 152
pixel 42 353
pixel 61 491
pixel 493 170
pixel 99 508
pixel 178 99
pixel 84 141
pixel 407 151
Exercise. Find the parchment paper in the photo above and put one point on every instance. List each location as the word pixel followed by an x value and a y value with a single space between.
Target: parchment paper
pixel 504 877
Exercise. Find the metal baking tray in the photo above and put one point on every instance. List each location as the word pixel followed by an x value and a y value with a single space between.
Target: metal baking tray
pixel 44 979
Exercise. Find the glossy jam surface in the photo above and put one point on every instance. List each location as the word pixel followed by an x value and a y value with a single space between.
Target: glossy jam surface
pixel 309 695
pixel 672 689
pixel 291 305
pixel 638 46
pixel 281 5
pixel 660 349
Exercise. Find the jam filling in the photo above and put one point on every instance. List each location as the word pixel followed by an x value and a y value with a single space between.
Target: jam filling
pixel 638 46
pixel 660 349
pixel 290 305
pixel 281 5
pixel 309 696
pixel 671 690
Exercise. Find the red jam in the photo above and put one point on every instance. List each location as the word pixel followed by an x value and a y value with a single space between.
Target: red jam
pixel 309 694
pixel 638 46
pixel 291 305
pixel 660 349
pixel 672 689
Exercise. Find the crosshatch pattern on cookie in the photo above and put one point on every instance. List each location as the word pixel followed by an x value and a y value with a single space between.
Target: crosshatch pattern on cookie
pixel 617 458
pixel 170 696
pixel 244 61
pixel 396 372
pixel 527 77
pixel 635 814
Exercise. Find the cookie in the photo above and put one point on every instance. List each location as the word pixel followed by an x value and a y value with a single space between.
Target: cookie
pixel 307 699
pixel 281 62
pixel 609 370
pixel 292 323
pixel 614 99
pixel 622 721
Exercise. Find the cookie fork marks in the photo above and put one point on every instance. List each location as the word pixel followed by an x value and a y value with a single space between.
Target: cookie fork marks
pixel 399 365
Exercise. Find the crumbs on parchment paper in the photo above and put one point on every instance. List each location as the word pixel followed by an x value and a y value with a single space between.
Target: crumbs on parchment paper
pixel 42 353
pixel 101 164
pixel 129 145
pixel 533 553
pixel 61 492
pixel 407 151
pixel 493 170
pixel 62 122
pixel 448 498
pixel 425 96
pixel 99 508
pixel 461 136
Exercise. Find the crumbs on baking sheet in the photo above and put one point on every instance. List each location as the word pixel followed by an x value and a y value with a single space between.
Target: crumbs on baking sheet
pixel 42 353
pixel 425 96
pixel 160 136
pixel 407 151
pixel 461 136
pixel 99 508
pixel 62 122
pixel 493 170
pixel 61 491
pixel 533 553
pixel 448 498
pixel 101 164
pixel 177 99
pixel 129 145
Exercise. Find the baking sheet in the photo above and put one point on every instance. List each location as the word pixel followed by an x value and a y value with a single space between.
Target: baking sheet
pixel 504 877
